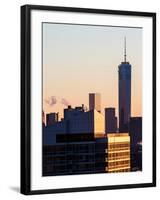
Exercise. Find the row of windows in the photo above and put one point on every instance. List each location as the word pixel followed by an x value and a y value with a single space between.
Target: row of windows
pixel 67 168
pixel 121 170
pixel 51 170
pixel 119 154
pixel 118 149
pixel 118 165
pixel 74 156
pixel 62 149
pixel 76 151
pixel 59 148
pixel 118 158
pixel 115 164
pixel 118 145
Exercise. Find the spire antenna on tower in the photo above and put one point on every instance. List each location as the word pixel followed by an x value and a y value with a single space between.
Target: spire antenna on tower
pixel 125 55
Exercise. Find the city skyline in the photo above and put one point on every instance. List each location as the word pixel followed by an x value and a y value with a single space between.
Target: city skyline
pixel 87 67
pixel 81 62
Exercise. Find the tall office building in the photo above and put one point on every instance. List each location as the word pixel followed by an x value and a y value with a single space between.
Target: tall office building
pixel 95 101
pixel 124 73
pixel 110 120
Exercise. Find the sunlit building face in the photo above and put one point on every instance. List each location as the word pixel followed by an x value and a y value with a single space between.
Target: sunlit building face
pixel 118 152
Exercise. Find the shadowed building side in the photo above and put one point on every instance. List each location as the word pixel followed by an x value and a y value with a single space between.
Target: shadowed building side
pixel 136 143
pixel 110 120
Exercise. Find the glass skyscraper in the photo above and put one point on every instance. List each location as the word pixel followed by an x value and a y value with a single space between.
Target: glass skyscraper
pixel 124 84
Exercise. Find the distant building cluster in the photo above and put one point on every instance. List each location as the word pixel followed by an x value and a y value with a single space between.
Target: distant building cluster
pixel 86 141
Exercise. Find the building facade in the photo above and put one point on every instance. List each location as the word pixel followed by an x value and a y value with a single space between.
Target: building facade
pixel 118 152
pixel 72 112
pixel 76 154
pixel 78 145
pixel 87 153
pixel 90 122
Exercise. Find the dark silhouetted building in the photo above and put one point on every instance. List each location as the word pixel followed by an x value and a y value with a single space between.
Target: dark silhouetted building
pixel 76 145
pixel 110 120
pixel 79 145
pixel 124 85
pixel 136 142
pixel 135 130
pixel 83 123
pixel 138 156
pixel 72 112
pixel 95 101
pixel 51 118
pixel 75 154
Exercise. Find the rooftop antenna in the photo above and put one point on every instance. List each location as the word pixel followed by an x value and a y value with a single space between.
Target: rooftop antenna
pixel 125 49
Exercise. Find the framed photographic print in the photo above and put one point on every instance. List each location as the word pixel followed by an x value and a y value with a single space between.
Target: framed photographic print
pixel 88 99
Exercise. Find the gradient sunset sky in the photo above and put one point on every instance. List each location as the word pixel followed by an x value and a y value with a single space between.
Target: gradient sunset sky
pixel 82 59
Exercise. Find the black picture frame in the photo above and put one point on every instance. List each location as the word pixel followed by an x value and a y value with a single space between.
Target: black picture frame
pixel 26 97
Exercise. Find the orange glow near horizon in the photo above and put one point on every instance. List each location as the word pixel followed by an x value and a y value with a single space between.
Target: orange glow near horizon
pixel 78 60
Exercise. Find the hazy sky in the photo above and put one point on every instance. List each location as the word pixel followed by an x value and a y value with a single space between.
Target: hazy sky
pixel 78 60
